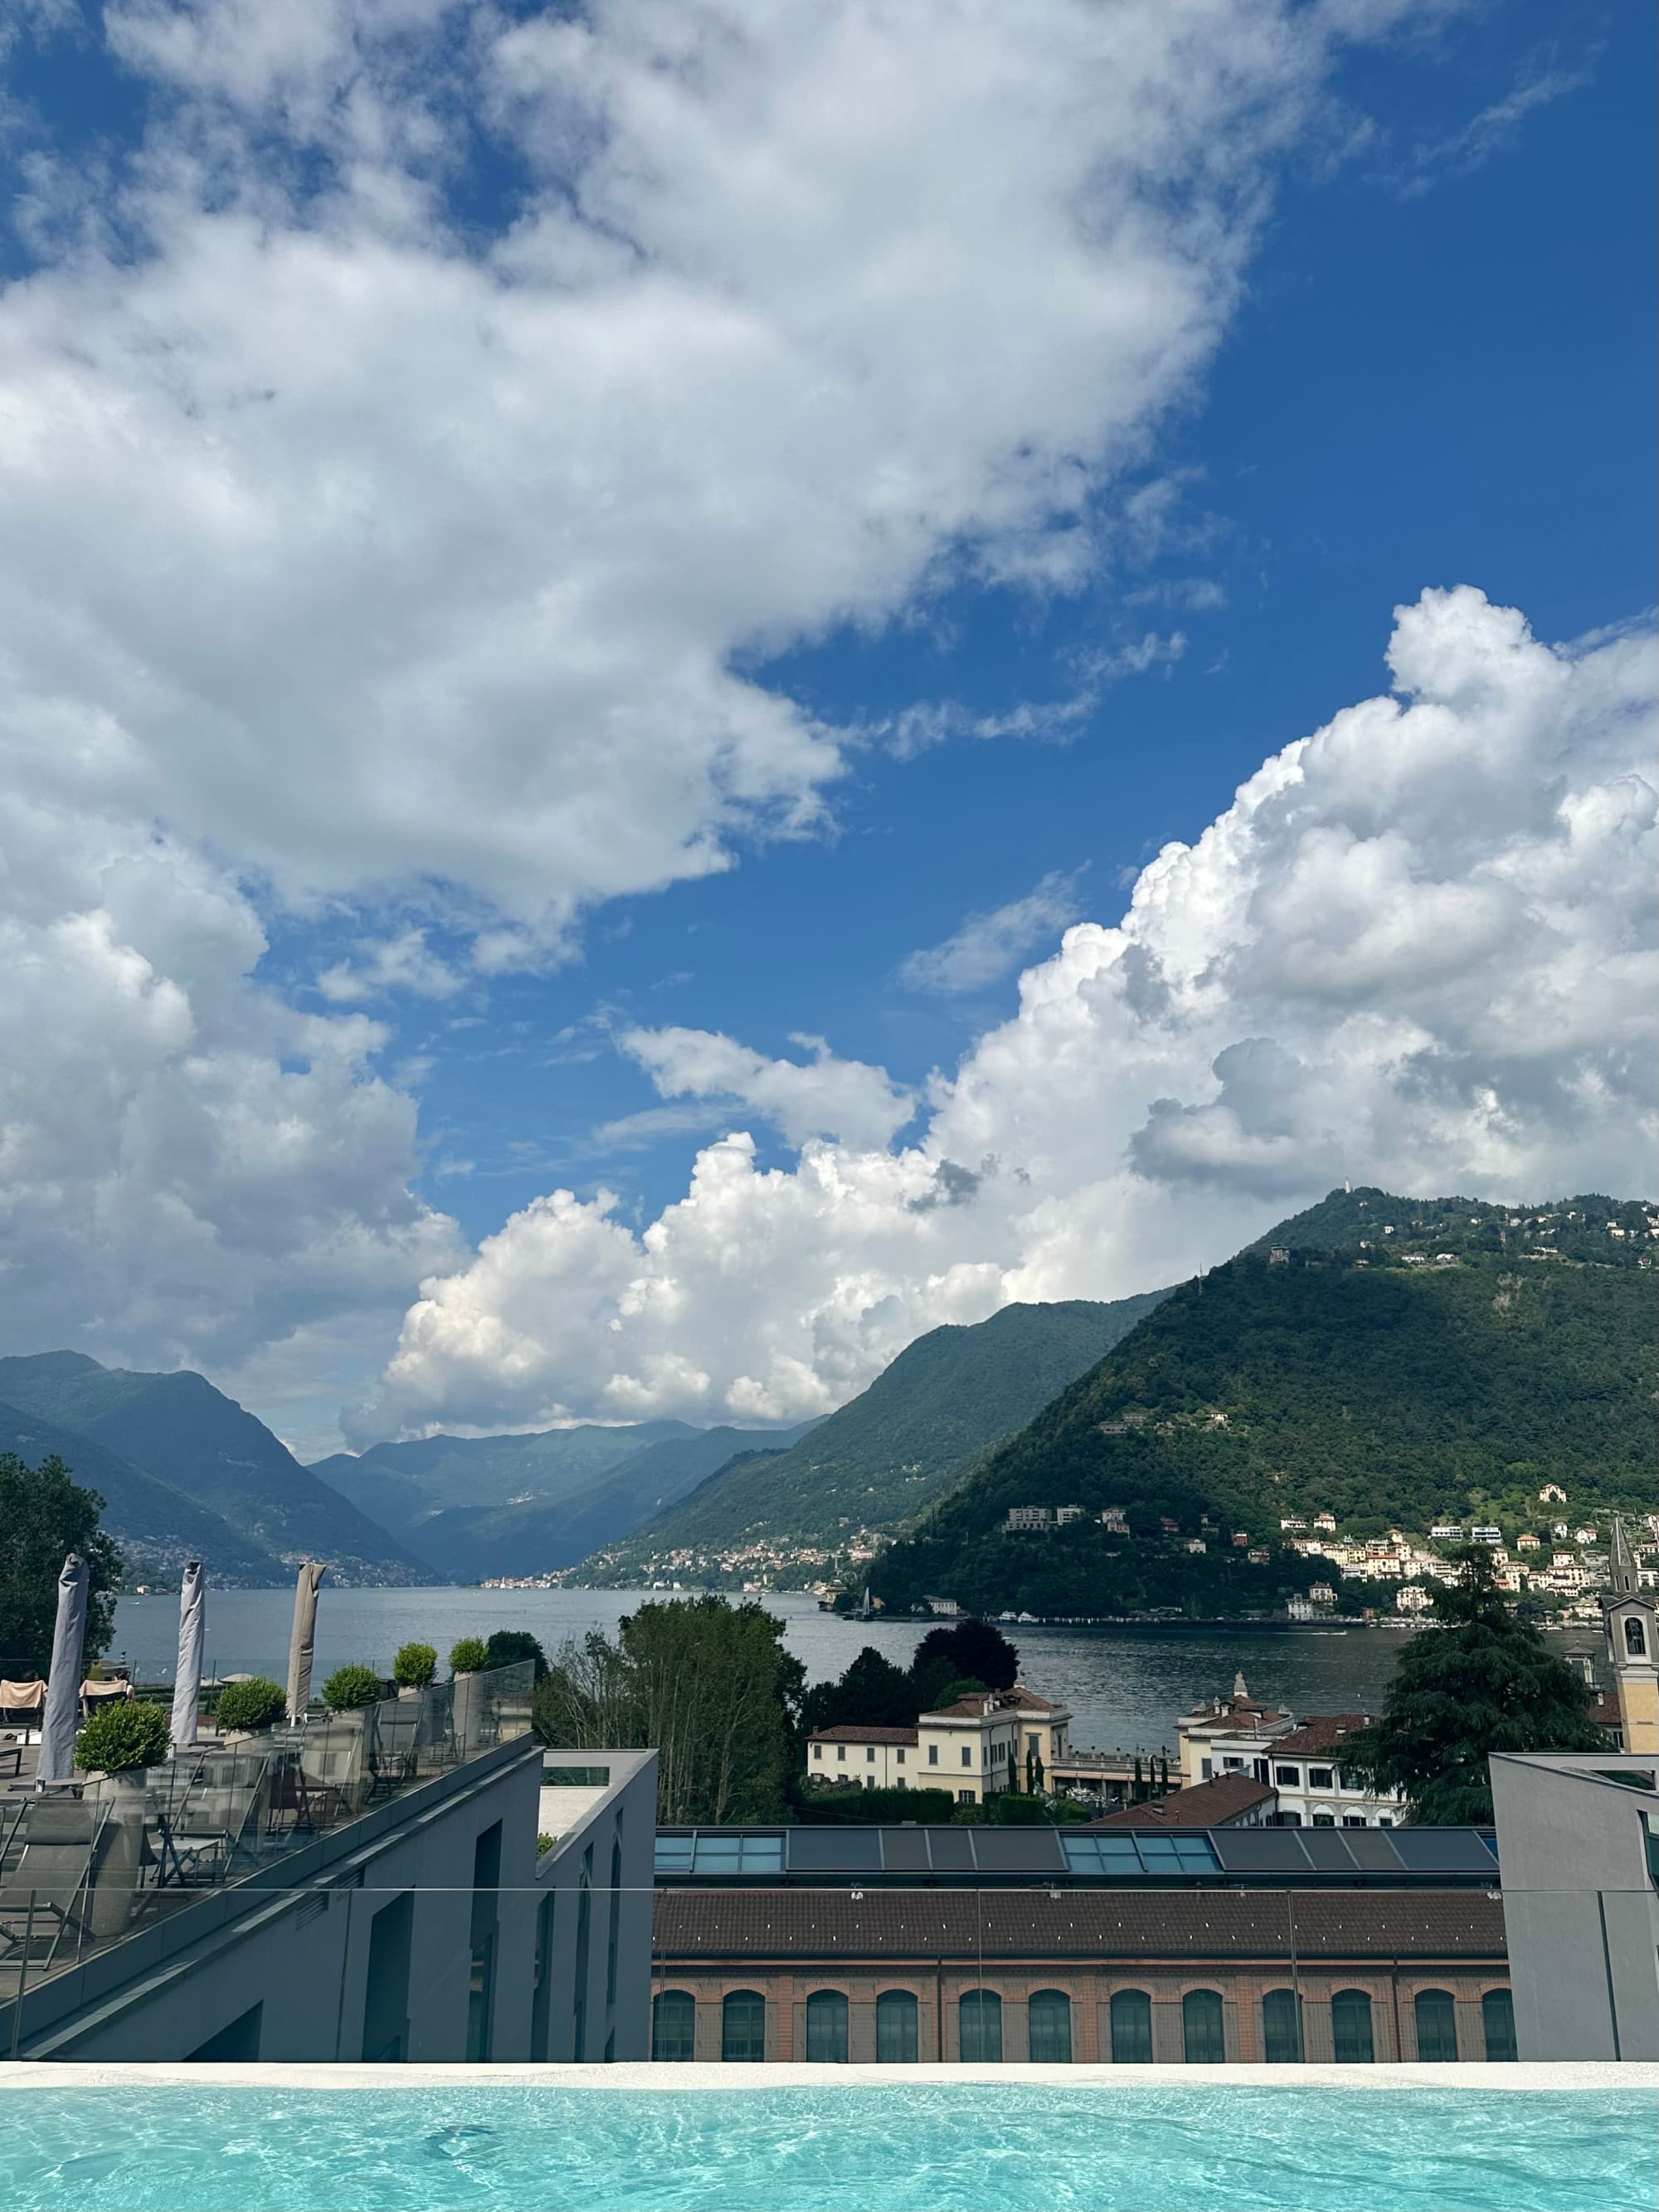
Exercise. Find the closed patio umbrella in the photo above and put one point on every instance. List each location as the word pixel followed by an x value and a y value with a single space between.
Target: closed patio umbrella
pixel 187 1675
pixel 302 1643
pixel 62 1713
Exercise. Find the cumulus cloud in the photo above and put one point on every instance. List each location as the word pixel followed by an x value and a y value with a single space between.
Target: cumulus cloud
pixel 823 1097
pixel 1417 949
pixel 403 963
pixel 988 945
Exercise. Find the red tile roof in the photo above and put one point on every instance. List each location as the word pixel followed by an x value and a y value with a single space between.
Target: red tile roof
pixel 850 1732
pixel 797 1927
pixel 1319 1732
pixel 1215 1804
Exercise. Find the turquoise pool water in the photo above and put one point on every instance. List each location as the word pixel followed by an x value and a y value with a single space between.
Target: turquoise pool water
pixel 970 2148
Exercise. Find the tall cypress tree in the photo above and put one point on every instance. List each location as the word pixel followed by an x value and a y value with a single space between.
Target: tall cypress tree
pixel 1480 1681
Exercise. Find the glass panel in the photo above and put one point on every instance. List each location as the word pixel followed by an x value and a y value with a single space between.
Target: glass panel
pixel 674 2027
pixel 1200 2026
pixel 896 2029
pixel 1132 2028
pixel 1351 2028
pixel 674 1854
pixel 1050 2025
pixel 743 2028
pixel 1281 2027
pixel 1497 2018
pixel 1437 2028
pixel 980 2018
pixel 826 2028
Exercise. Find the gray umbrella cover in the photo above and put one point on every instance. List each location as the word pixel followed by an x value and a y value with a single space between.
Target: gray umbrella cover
pixel 187 1675
pixel 62 1713
pixel 302 1643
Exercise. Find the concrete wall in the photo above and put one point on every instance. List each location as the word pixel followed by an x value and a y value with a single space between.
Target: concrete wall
pixel 583 2008
pixel 1579 1904
pixel 279 1967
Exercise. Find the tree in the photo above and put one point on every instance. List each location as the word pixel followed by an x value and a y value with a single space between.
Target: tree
pixel 1481 1682
pixel 872 1693
pixel 415 1666
pixel 44 1516
pixel 511 1647
pixel 707 1685
pixel 349 1686
pixel 973 1647
pixel 122 1736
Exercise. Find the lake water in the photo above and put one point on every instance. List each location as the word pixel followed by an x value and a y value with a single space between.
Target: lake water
pixel 1124 1685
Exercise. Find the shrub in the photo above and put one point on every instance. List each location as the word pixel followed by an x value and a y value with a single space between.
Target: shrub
pixel 347 1687
pixel 119 1737
pixel 543 1844
pixel 468 1656
pixel 253 1705
pixel 415 1666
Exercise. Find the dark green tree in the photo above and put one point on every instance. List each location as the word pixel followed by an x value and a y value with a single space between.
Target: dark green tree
pixel 872 1693
pixel 43 1516
pixel 510 1647
pixel 973 1647
pixel 1482 1682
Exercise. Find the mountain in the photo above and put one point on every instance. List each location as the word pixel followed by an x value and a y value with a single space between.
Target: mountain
pixel 899 1445
pixel 182 1432
pixel 1393 1361
pixel 157 1527
pixel 526 1504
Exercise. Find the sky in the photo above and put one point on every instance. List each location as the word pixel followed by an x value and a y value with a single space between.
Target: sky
pixel 688 685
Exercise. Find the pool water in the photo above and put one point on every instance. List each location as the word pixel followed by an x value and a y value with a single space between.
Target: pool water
pixel 979 2148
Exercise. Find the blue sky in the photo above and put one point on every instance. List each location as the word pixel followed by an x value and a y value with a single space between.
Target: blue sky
pixel 1418 354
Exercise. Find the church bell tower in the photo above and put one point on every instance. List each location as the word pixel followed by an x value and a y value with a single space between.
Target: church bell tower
pixel 1631 1619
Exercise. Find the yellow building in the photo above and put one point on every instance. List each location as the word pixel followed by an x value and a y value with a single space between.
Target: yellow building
pixel 989 1741
pixel 1630 1620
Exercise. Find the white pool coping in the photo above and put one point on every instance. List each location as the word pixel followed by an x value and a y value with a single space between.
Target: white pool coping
pixel 29 2076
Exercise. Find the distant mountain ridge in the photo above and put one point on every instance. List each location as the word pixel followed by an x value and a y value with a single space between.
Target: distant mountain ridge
pixel 184 1435
pixel 901 1444
pixel 1390 1360
pixel 531 1503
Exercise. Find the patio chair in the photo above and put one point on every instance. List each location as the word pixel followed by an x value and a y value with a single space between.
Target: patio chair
pixel 42 1895
pixel 393 1740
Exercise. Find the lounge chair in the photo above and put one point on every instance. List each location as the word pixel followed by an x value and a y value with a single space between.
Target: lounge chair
pixel 42 1895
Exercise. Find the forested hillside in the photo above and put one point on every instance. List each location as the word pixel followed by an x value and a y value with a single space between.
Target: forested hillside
pixel 1327 1369
pixel 899 1445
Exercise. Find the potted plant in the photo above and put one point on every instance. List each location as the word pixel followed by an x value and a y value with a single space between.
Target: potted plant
pixel 413 1668
pixel 119 1742
pixel 123 1738
pixel 247 1708
pixel 466 1662
pixel 351 1687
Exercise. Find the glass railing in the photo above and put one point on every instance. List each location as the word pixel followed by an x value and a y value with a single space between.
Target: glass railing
pixel 88 1863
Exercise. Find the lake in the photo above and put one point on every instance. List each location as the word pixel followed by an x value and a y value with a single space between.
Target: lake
pixel 1124 1685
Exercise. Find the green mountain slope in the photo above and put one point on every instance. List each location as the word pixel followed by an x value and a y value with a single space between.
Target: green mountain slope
pixel 527 1504
pixel 157 1527
pixel 1435 1374
pixel 899 1446
pixel 180 1431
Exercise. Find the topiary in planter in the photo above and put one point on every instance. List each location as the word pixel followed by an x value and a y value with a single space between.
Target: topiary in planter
pixel 120 1737
pixel 247 1705
pixel 415 1666
pixel 349 1686
pixel 467 1658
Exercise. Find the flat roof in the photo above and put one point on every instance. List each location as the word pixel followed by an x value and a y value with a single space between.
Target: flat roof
pixel 1146 1855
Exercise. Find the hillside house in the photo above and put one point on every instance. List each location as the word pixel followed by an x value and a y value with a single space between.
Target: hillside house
pixel 1030 1516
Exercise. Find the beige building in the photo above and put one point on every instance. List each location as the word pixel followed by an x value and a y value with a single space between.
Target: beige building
pixel 991 1740
pixel 1299 1761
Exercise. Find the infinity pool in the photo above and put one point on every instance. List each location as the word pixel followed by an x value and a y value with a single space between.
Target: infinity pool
pixel 997 2146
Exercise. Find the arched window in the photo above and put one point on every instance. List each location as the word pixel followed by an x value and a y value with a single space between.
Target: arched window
pixel 1351 2028
pixel 1437 2028
pixel 1281 2027
pixel 896 2029
pixel 1497 2020
pixel 826 2028
pixel 979 2028
pixel 1200 2029
pixel 1635 1642
pixel 674 2026
pixel 1132 2028
pixel 742 2028
pixel 1049 2018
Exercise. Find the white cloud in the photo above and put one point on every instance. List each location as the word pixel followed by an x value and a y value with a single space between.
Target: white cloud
pixel 1417 949
pixel 988 945
pixel 821 1098
pixel 403 963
